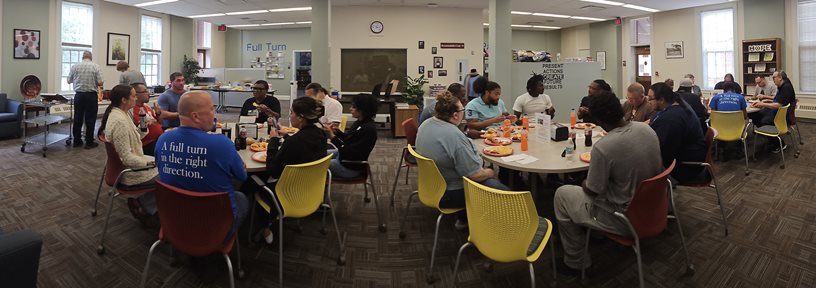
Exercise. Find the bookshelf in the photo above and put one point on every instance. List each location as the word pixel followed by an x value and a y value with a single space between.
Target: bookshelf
pixel 760 57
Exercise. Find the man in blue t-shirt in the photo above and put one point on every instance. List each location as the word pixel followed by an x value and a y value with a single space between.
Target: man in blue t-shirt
pixel 729 101
pixel 169 101
pixel 191 159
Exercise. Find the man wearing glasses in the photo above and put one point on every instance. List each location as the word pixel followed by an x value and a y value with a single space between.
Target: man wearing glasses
pixel 152 117
pixel 265 105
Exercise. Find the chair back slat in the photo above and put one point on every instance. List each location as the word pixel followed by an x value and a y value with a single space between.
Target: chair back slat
pixel 781 119
pixel 301 187
pixel 410 127
pixel 431 184
pixel 650 204
pixel 501 223
pixel 197 223
pixel 730 126
pixel 113 163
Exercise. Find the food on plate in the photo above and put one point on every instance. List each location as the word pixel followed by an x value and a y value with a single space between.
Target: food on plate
pixel 258 146
pixel 586 156
pixel 498 151
pixel 289 130
pixel 219 125
pixel 496 141
pixel 517 136
pixel 259 156
pixel 584 125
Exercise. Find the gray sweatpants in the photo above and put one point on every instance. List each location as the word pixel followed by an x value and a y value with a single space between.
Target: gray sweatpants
pixel 574 211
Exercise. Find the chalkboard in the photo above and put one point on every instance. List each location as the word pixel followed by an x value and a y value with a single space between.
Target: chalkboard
pixel 362 69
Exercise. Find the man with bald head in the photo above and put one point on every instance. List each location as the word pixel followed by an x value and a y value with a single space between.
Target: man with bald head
pixel 85 76
pixel 189 158
pixel 635 108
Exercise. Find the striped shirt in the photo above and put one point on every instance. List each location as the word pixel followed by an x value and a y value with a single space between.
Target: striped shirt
pixel 85 76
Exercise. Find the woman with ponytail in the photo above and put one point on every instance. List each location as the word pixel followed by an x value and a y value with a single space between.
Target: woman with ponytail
pixel 126 138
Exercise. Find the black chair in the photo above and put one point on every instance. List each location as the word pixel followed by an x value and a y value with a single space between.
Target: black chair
pixel 376 90
pixel 20 258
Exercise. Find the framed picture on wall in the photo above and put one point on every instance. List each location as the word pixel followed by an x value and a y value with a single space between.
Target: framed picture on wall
pixel 600 56
pixel 674 49
pixel 421 44
pixel 433 50
pixel 430 73
pixel 438 63
pixel 421 70
pixel 442 73
pixel 118 48
pixel 26 44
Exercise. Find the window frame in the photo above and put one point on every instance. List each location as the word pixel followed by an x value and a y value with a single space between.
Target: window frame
pixel 735 57
pixel 64 87
pixel 151 51
pixel 797 59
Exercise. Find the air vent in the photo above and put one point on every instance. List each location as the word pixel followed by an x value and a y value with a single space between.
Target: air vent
pixel 257 21
pixel 232 2
pixel 245 18
pixel 534 23
pixel 592 8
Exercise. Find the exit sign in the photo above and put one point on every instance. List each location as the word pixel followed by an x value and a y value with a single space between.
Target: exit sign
pixel 222 27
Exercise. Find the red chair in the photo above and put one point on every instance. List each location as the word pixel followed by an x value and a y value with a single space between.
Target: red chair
pixel 112 173
pixel 196 224
pixel 711 180
pixel 406 160
pixel 646 218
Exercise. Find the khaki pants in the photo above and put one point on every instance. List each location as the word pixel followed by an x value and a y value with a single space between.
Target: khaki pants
pixel 574 211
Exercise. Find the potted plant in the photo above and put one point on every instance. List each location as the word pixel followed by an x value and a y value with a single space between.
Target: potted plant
pixel 190 69
pixel 413 91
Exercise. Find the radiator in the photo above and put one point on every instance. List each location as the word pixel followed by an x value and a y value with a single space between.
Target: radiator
pixel 806 109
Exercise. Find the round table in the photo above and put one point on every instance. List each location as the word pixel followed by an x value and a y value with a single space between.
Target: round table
pixel 547 151
pixel 252 166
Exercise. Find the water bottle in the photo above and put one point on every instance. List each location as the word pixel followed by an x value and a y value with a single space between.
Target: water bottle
pixel 142 121
pixel 569 151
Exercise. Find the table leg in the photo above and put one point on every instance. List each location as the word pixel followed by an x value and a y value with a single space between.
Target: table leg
pixel 533 180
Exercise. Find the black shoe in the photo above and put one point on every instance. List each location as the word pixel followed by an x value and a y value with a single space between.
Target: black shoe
pixel 777 150
pixel 563 269
pixel 91 145
pixel 78 143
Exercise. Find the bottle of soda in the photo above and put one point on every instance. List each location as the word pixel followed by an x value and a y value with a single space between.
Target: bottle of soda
pixel 215 125
pixel 243 138
pixel 588 137
pixel 524 146
pixel 142 121
pixel 227 131
pixel 525 122
pixel 573 118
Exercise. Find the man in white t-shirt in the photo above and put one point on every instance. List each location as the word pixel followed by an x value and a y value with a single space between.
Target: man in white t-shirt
pixel 332 108
pixel 534 101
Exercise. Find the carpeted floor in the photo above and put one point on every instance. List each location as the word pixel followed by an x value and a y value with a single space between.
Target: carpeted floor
pixel 772 241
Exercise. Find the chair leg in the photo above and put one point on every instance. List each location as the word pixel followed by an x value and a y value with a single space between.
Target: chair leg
pixel 429 277
pixel 753 152
pixel 532 274
pixel 456 265
pixel 229 269
pixel 781 152
pixel 99 190
pixel 639 260
pixel 586 254
pixel 381 226
pixel 251 221
pixel 405 215
pixel 365 196
pixel 323 222
pixel 407 170
pixel 238 255
pixel 396 178
pixel 799 135
pixel 341 239
pixel 147 263
pixel 745 149
pixel 795 144
pixel 101 248
pixel 280 250
pixel 719 203
pixel 554 273
pixel 689 266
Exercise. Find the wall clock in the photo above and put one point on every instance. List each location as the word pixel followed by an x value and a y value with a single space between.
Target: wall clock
pixel 377 27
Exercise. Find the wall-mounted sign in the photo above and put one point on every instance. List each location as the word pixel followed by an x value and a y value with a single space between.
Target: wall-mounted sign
pixel 265 47
pixel 448 45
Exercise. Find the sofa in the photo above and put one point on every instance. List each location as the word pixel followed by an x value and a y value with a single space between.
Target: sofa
pixel 19 258
pixel 11 117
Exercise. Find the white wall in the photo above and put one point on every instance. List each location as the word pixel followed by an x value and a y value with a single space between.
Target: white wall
pixel 404 27
pixel 549 41
pixel 574 39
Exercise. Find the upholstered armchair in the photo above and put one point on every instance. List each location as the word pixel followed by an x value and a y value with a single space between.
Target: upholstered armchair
pixel 11 117
pixel 19 258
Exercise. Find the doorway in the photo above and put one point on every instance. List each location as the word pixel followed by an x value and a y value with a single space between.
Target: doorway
pixel 643 72
pixel 302 74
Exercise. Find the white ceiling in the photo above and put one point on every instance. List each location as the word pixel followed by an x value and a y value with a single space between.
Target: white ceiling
pixel 186 8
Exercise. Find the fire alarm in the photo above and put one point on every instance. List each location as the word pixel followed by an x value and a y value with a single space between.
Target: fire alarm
pixel 618 21
pixel 222 27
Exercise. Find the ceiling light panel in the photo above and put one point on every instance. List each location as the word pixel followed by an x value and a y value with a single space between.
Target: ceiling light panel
pixel 154 3
pixel 246 12
pixel 605 2
pixel 290 9
pixel 630 6
pixel 207 15
pixel 551 15
pixel 587 18
pixel 521 13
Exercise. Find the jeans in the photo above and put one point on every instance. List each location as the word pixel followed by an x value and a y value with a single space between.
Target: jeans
pixel 85 108
pixel 456 198
pixel 343 172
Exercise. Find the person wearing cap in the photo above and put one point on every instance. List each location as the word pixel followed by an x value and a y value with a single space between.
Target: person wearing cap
pixel 635 108
pixel 694 88
pixel 694 102
pixel 784 96
pixel 729 78
pixel 266 105
pixel 763 89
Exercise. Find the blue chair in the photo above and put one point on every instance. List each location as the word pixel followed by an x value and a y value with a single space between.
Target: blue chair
pixel 20 258
pixel 11 117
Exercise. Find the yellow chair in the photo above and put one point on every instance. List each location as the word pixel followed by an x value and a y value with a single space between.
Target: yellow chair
pixel 343 122
pixel 731 127
pixel 505 226
pixel 298 193
pixel 779 128
pixel 431 188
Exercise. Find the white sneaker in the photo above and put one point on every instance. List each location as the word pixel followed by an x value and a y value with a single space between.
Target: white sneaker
pixel 269 238
pixel 460 225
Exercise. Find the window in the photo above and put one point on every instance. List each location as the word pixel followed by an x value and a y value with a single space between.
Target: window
pixel 204 43
pixel 807 45
pixel 717 30
pixel 151 49
pixel 76 36
pixel 641 31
